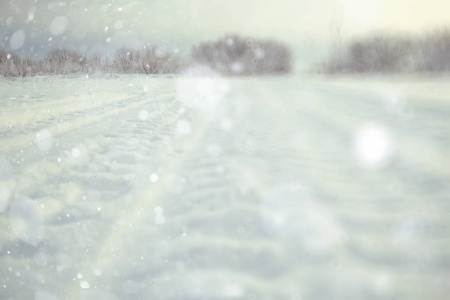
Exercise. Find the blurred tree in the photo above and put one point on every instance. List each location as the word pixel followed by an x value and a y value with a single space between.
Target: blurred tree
pixel 233 55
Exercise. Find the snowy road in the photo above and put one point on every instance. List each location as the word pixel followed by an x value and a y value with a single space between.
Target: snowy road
pixel 191 188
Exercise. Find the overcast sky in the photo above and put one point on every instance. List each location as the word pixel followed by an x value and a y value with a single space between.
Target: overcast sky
pixel 105 25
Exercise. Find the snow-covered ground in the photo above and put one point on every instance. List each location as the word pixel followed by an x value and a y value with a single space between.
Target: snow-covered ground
pixel 215 188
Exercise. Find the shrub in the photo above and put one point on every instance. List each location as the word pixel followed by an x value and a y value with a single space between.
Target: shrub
pixel 157 61
pixel 96 63
pixel 379 54
pixel 233 55
pixel 12 65
pixel 147 61
pixel 64 61
pixel 124 60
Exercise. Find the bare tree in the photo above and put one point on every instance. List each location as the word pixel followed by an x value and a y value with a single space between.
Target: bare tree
pixel 435 51
pixel 148 61
pixel 64 61
pixel 13 65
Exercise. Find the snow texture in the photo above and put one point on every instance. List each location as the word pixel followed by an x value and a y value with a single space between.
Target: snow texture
pixel 204 187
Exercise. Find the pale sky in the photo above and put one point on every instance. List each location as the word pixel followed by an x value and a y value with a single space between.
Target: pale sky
pixel 103 24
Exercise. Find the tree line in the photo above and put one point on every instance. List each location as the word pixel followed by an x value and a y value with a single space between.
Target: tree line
pixel 66 61
pixel 388 53
pixel 231 55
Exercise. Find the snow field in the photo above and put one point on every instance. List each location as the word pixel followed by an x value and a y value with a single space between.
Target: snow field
pixel 270 188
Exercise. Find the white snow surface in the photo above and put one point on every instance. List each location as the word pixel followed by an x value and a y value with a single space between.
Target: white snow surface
pixel 142 187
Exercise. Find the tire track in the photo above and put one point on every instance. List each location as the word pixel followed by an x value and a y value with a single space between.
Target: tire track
pixel 269 206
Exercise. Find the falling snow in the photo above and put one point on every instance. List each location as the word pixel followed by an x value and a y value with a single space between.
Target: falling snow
pixel 76 152
pixel 17 40
pixel 58 25
pixel 374 145
pixel 204 196
pixel 84 284
pixel 154 177
pixel 143 115
pixel 44 140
